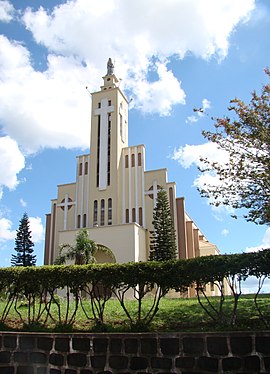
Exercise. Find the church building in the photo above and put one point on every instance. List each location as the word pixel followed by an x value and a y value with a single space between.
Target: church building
pixel 114 195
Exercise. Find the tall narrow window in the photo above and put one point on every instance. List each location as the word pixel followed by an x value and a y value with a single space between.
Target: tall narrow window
pixel 98 147
pixel 80 168
pixel 95 214
pixel 121 126
pixel 126 161
pixel 109 151
pixel 132 160
pixel 133 215
pixel 109 211
pixel 102 212
pixel 84 220
pixel 86 168
pixel 127 216
pixel 78 221
pixel 140 216
pixel 139 159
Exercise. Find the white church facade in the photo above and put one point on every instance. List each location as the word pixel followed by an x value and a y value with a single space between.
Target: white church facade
pixel 114 195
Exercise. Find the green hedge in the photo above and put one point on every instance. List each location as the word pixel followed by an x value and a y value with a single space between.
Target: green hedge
pixel 91 286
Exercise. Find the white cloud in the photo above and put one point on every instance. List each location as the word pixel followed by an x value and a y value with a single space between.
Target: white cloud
pixel 53 107
pixel 11 163
pixel 37 229
pixel 35 225
pixel 200 112
pixel 6 11
pixel 264 244
pixel 225 232
pixel 158 96
pixel 190 155
pixel 6 233
pixel 192 119
pixel 23 203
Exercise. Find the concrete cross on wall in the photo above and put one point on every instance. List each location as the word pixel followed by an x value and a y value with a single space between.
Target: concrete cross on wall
pixel 66 204
pixel 153 192
pixel 103 111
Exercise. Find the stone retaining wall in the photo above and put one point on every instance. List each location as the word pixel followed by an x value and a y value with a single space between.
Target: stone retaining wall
pixel 32 353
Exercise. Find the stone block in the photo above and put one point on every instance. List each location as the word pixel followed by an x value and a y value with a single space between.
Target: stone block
pixel 7 370
pixel 25 370
pixel 193 345
pixel 185 362
pixel 137 363
pixel 252 363
pixel 20 357
pixel 262 344
pixel 231 363
pixel 38 357
pixel 241 345
pixel 98 361
pixel 115 345
pixel 118 362
pixel 62 344
pixel 217 346
pixel 266 361
pixel 169 346
pixel 100 345
pixel 208 364
pixel 55 371
pixel 131 346
pixel 42 370
pixel 77 359
pixel 27 343
pixel 148 346
pixel 10 342
pixel 5 357
pixel 161 363
pixel 44 343
pixel 56 359
pixel 81 344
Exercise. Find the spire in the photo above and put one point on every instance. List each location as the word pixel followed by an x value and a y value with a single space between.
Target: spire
pixel 110 80
pixel 110 67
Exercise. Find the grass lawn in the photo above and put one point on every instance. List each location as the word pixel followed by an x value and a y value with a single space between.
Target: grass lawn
pixel 175 314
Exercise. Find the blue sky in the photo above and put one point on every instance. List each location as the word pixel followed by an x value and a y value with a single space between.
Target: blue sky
pixel 171 56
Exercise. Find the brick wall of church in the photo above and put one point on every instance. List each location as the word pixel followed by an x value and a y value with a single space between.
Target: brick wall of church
pixel 32 353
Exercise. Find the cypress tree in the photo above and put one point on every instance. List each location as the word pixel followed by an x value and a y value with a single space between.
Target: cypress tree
pixel 23 245
pixel 163 240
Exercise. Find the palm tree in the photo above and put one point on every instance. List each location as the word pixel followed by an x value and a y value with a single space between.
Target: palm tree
pixel 83 252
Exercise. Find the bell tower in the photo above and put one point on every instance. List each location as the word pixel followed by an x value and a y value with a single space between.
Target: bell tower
pixel 109 135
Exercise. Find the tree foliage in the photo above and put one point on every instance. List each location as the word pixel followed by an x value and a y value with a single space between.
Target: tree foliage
pixel 23 245
pixel 82 252
pixel 163 241
pixel 245 176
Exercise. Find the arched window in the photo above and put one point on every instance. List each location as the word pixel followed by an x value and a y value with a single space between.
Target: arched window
pixel 127 216
pixel 139 159
pixel 133 215
pixel 140 216
pixel 95 215
pixel 133 160
pixel 102 212
pixel 84 220
pixel 78 221
pixel 86 168
pixel 109 211
pixel 80 168
pixel 126 161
